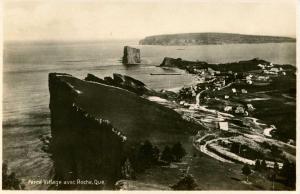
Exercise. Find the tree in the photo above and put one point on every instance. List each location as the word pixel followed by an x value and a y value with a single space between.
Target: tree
pixel 186 183
pixel 272 174
pixel 146 156
pixel 257 165
pixel 246 171
pixel 10 181
pixel 5 183
pixel 178 151
pixel 288 171
pixel 292 178
pixel 285 168
pixel 155 153
pixel 272 177
pixel 275 151
pixel 235 148
pixel 276 167
pixel 263 164
pixel 127 170
pixel 167 155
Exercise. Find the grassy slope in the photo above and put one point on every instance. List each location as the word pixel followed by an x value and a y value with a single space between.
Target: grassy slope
pixel 136 117
pixel 209 174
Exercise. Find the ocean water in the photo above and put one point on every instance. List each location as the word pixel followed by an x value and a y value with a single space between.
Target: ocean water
pixel 25 84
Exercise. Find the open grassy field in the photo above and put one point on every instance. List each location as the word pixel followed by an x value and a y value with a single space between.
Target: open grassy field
pixel 209 174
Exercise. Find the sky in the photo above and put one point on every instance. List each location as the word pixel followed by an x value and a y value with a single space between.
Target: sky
pixel 135 19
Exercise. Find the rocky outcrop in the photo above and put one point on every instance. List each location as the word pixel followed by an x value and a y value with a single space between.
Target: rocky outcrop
pixel 171 62
pixel 94 124
pixel 125 82
pixel 211 38
pixel 131 55
pixel 193 66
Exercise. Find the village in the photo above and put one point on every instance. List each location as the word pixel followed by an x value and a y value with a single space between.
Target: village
pixel 228 90
pixel 245 109
pixel 231 106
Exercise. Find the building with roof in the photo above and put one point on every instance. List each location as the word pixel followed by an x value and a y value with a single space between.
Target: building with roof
pixel 223 126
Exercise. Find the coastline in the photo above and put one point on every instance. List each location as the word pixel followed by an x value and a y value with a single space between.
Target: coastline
pixel 46 103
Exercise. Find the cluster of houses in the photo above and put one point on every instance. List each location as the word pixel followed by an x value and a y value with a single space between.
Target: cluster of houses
pixel 240 109
pixel 267 71
pixel 235 91
pixel 218 80
pixel 271 70
pixel 250 78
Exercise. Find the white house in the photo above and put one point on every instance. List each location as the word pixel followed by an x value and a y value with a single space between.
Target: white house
pixel 223 126
pixel 250 107
pixel 261 66
pixel 244 91
pixel 274 69
pixel 249 82
pixel 239 110
pixel 263 78
pixel 227 108
pixel 249 77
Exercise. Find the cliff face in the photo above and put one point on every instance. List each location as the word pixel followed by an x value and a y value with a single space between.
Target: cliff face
pixel 131 55
pixel 211 38
pixel 92 125
pixel 83 146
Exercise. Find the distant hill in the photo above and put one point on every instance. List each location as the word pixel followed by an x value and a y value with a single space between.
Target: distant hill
pixel 211 38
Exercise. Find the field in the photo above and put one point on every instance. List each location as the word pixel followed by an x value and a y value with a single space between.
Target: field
pixel 209 174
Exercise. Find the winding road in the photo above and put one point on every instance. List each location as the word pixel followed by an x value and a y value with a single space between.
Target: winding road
pixel 234 157
pixel 204 150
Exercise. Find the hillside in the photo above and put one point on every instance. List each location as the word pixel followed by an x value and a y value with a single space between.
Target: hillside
pixel 93 126
pixel 211 38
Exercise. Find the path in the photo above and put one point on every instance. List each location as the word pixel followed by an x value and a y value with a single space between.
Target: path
pixel 203 149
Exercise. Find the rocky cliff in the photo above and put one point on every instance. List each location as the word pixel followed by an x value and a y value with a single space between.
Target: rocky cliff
pixel 211 38
pixel 193 66
pixel 122 81
pixel 131 55
pixel 80 140
pixel 93 124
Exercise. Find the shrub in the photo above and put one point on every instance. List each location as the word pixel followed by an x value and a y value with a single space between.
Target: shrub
pixel 10 181
pixel 178 151
pixel 246 171
pixel 186 183
pixel 167 155
pixel 145 156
